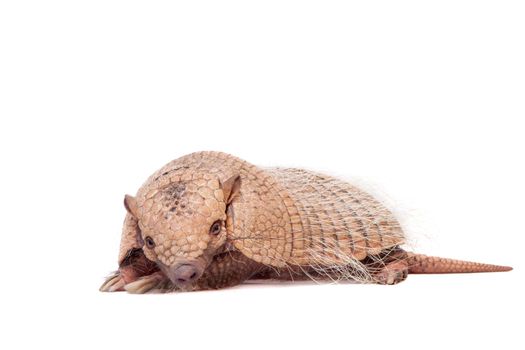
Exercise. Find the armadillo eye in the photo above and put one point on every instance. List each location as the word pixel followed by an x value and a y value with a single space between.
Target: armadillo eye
pixel 215 229
pixel 150 243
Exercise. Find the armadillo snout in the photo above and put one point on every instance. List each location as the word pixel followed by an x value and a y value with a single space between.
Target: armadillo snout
pixel 185 274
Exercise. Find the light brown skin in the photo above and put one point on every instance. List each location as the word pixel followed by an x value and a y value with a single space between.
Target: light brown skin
pixel 209 220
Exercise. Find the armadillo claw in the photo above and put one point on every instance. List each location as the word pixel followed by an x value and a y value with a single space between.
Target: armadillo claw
pixel 152 283
pixel 113 283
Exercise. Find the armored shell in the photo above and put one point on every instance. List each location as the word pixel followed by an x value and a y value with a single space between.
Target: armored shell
pixel 282 216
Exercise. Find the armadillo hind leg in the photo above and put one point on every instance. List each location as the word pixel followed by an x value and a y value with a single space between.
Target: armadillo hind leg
pixel 392 273
pixel 389 267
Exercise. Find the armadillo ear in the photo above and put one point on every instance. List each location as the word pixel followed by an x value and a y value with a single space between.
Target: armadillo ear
pixel 231 188
pixel 131 205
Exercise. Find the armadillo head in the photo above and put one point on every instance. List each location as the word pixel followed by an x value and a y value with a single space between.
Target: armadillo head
pixel 182 224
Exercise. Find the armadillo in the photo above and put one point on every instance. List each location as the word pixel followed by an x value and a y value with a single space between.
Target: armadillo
pixel 210 220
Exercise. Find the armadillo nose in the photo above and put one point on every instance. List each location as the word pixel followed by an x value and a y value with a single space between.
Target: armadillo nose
pixel 185 274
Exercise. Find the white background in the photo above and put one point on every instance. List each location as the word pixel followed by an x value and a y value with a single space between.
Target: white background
pixel 422 102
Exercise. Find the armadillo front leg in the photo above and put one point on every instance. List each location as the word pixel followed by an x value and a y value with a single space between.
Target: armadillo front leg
pixel 134 266
pixel 226 270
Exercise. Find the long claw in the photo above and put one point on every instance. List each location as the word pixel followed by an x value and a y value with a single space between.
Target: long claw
pixel 110 282
pixel 118 286
pixel 144 284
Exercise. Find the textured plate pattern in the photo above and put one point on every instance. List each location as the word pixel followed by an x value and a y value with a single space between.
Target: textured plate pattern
pixel 338 219
pixel 282 216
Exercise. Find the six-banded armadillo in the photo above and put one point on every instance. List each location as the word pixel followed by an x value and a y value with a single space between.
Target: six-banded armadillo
pixel 210 220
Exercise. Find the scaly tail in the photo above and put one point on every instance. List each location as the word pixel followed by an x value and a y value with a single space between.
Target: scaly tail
pixel 418 263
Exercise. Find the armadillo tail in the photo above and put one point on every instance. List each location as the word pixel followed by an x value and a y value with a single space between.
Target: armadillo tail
pixel 418 263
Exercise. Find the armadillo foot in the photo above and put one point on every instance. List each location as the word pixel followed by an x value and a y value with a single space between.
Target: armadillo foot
pixel 113 283
pixel 154 283
pixel 392 273
pixel 163 287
